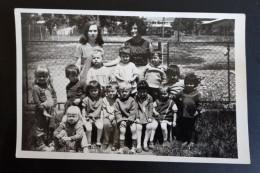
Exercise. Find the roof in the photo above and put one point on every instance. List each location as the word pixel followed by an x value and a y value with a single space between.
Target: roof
pixel 211 21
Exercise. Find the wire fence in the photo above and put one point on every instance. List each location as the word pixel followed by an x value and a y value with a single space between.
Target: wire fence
pixel 213 62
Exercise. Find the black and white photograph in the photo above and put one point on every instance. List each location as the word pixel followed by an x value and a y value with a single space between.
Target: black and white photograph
pixel 131 86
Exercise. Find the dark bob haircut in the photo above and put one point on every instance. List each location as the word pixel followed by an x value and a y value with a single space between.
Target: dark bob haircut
pixel 71 69
pixel 142 85
pixel 84 38
pixel 141 26
pixel 191 78
pixel 173 70
pixel 93 85
pixel 125 50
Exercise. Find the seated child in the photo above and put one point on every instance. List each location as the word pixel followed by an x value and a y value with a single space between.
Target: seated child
pixel 175 84
pixel 165 111
pixel 75 89
pixel 125 114
pixel 70 134
pixel 144 104
pixel 109 121
pixel 154 74
pixel 92 106
pixel 190 108
pixel 126 71
pixel 98 72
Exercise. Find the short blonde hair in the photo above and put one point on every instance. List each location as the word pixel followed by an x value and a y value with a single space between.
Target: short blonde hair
pixel 124 85
pixel 97 51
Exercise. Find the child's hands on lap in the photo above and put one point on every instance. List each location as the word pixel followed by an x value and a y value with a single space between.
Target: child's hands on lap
pixel 137 120
pixel 150 120
pixel 123 124
pixel 111 117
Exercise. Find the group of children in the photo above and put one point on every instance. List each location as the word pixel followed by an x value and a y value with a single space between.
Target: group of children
pixel 114 101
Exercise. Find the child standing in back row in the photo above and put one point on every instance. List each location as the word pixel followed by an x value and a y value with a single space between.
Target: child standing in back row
pixel 44 97
pixel 154 74
pixel 126 71
pixel 98 72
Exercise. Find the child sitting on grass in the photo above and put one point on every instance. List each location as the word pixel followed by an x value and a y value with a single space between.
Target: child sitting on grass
pixel 110 125
pixel 125 113
pixel 92 106
pixel 75 89
pixel 165 111
pixel 98 72
pixel 154 74
pixel 144 104
pixel 189 99
pixel 70 134
pixel 126 71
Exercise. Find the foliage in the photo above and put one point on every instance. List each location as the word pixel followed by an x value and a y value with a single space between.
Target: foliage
pixel 187 25
pixel 216 132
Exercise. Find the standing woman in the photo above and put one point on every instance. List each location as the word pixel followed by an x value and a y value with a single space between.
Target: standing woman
pixel 140 48
pixel 91 37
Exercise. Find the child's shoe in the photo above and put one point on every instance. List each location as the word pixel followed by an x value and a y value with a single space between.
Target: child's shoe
pixel 98 144
pixel 104 146
pixel 114 147
pixel 166 144
pixel 43 147
pixel 120 151
pixel 132 151
pixel 146 149
pixel 138 150
pixel 151 145
pixel 184 144
pixel 85 150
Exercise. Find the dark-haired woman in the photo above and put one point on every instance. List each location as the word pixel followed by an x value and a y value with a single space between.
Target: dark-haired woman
pixel 91 37
pixel 140 48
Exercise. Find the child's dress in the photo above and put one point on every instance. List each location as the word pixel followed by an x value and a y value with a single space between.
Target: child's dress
pixel 125 110
pixel 127 72
pixel 45 100
pixel 144 109
pixel 99 74
pixel 165 109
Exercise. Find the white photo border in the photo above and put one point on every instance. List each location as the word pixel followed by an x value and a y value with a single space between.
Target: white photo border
pixel 241 91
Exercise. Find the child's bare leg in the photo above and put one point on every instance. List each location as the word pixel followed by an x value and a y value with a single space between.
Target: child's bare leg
pixel 134 137
pixel 84 143
pixel 154 125
pixel 122 130
pixel 164 131
pixel 99 125
pixel 139 128
pixel 147 134
pixel 89 132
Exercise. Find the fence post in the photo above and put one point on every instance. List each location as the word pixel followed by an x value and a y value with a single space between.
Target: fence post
pixel 160 46
pixel 168 54
pixel 228 67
